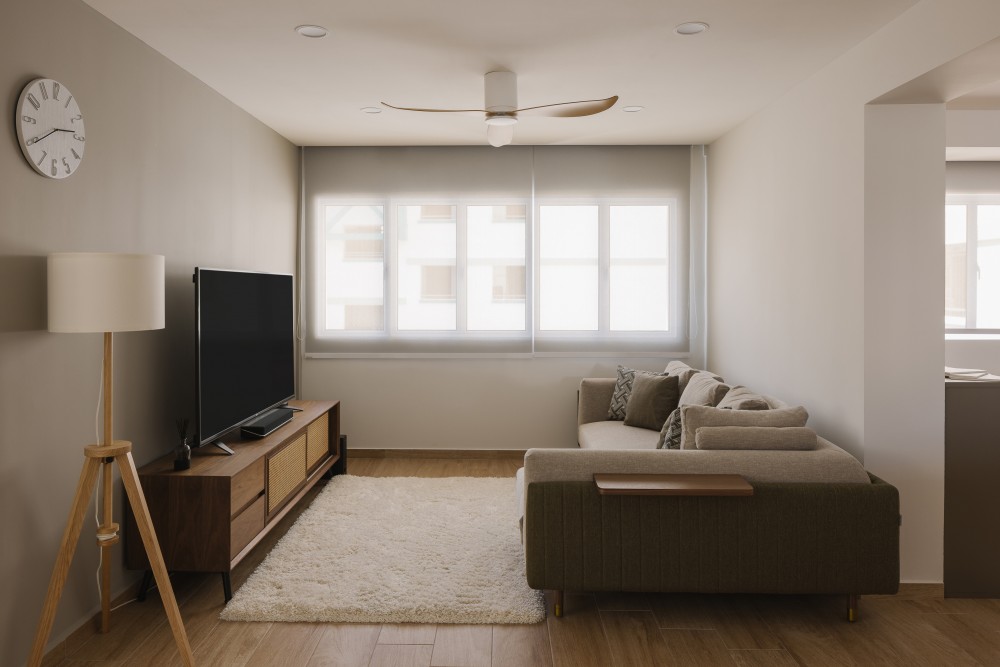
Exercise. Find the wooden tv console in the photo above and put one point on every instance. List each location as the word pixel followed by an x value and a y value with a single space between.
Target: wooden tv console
pixel 209 517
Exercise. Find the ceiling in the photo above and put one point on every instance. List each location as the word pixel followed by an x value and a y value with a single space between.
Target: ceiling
pixel 434 53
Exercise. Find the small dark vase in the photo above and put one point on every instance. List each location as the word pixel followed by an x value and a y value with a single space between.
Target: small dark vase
pixel 183 460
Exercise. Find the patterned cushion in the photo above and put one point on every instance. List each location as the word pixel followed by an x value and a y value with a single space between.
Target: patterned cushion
pixel 623 389
pixel 670 434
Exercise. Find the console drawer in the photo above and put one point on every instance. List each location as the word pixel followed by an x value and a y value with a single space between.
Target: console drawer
pixel 246 485
pixel 246 526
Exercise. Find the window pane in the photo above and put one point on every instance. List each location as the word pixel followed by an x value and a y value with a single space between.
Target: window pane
pixel 568 271
pixel 955 268
pixel 354 268
pixel 988 265
pixel 496 275
pixel 640 268
pixel 426 268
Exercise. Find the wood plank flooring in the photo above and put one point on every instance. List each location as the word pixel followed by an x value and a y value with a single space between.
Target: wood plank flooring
pixel 916 627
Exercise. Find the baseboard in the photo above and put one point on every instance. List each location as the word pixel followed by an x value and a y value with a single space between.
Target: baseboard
pixel 435 454
pixel 88 628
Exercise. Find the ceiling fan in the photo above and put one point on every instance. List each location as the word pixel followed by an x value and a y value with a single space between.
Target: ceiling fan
pixel 502 113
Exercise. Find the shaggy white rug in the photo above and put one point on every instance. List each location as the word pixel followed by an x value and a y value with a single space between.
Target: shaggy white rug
pixel 397 550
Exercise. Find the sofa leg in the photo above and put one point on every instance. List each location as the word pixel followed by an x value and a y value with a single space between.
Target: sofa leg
pixel 557 604
pixel 852 607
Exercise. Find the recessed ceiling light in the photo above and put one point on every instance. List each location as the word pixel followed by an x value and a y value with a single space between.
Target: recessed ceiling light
pixel 691 28
pixel 314 31
pixel 371 109
pixel 632 109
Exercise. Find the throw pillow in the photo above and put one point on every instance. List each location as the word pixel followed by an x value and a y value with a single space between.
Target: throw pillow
pixel 652 400
pixel 741 398
pixel 670 434
pixel 694 417
pixel 755 438
pixel 684 373
pixel 703 389
pixel 623 389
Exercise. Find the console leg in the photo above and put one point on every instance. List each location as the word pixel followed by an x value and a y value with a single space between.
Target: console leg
pixel 557 604
pixel 147 579
pixel 852 607
pixel 227 586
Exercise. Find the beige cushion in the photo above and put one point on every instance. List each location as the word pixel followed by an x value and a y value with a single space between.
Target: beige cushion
pixel 684 373
pixel 615 435
pixel 652 400
pixel 741 398
pixel 797 438
pixel 703 389
pixel 694 417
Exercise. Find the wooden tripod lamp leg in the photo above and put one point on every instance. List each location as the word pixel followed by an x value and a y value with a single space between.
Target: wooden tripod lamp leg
pixel 88 476
pixel 145 524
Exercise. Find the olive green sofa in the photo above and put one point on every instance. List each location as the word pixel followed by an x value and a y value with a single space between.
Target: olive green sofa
pixel 817 522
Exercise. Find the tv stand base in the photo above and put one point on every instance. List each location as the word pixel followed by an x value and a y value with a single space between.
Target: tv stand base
pixel 224 447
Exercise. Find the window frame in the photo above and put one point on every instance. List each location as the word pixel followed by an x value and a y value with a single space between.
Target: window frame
pixel 449 343
pixel 972 203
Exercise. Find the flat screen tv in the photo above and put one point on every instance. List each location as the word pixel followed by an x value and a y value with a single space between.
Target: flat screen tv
pixel 245 350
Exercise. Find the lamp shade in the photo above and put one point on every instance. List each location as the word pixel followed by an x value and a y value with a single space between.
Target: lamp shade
pixel 102 292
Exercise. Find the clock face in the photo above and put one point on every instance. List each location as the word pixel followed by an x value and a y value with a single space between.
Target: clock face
pixel 50 128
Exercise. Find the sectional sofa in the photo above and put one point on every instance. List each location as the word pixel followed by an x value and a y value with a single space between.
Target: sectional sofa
pixel 817 522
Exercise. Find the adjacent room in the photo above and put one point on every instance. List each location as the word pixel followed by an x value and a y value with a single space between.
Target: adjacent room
pixel 564 333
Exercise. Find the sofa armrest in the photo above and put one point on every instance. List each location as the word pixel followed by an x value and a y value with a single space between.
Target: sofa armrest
pixel 594 400
pixel 826 463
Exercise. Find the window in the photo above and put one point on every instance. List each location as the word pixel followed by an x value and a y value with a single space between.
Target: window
pixel 565 251
pixel 972 263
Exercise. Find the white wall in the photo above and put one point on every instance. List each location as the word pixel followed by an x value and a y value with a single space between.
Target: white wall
pixel 787 235
pixel 170 168
pixel 904 329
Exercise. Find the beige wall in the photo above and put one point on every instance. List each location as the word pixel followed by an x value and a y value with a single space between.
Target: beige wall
pixel 787 251
pixel 170 168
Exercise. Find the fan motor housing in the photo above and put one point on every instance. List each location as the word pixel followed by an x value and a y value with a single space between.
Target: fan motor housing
pixel 501 91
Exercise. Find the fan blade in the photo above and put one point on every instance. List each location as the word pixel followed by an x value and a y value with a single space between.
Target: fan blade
pixel 435 110
pixel 571 109
pixel 499 135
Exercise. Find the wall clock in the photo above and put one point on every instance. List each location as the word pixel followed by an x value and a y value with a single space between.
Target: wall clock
pixel 50 128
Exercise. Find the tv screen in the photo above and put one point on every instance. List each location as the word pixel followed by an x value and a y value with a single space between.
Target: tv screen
pixel 245 351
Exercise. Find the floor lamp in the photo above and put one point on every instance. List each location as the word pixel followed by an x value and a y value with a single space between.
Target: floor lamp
pixel 105 293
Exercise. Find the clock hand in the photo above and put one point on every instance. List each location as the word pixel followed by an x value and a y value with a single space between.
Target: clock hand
pixel 37 139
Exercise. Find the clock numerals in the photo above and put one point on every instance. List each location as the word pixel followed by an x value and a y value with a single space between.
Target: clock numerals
pixel 75 154
pixel 75 118
pixel 55 90
pixel 68 100
pixel 42 159
pixel 41 87
pixel 66 166
pixel 55 169
pixel 79 137
pixel 29 119
pixel 32 141
pixel 34 102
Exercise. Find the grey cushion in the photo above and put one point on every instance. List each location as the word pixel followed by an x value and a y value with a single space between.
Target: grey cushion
pixel 755 437
pixel 741 398
pixel 652 400
pixel 614 435
pixel 694 417
pixel 703 389
pixel 670 434
pixel 623 389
